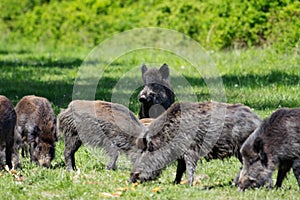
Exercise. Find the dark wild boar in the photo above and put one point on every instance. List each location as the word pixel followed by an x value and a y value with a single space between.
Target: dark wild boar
pixel 157 94
pixel 276 142
pixel 189 131
pixel 7 125
pixel 110 126
pixel 36 124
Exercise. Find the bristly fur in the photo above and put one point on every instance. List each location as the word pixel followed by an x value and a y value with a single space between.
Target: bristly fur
pixel 276 142
pixel 36 124
pixel 7 124
pixel 188 131
pixel 99 124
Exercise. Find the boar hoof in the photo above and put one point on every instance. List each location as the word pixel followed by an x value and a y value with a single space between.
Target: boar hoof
pixel 108 167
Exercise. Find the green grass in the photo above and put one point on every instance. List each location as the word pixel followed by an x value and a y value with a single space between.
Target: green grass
pixel 262 79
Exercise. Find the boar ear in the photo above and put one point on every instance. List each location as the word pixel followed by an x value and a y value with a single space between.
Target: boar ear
pixel 164 71
pixel 263 158
pixel 258 147
pixel 144 69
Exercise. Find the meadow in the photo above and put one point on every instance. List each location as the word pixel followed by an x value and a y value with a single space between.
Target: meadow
pixel 263 79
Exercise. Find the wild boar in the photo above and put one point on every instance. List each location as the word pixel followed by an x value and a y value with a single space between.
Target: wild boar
pixel 276 142
pixel 157 94
pixel 110 126
pixel 36 123
pixel 188 131
pixel 7 125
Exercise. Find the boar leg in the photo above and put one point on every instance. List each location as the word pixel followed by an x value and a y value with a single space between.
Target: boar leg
pixel 191 164
pixel 8 152
pixel 113 159
pixel 24 150
pixel 23 141
pixel 30 133
pixel 72 144
pixel 236 179
pixel 296 170
pixel 181 167
pixel 284 167
pixel 32 157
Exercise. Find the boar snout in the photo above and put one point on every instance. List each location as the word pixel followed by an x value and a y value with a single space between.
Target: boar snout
pixel 143 98
pixel 134 177
pixel 148 97
pixel 247 182
pixel 45 161
pixel 44 154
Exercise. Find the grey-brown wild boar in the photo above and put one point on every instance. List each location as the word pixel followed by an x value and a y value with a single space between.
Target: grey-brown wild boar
pixel 157 94
pixel 188 131
pixel 276 142
pixel 36 123
pixel 7 125
pixel 110 126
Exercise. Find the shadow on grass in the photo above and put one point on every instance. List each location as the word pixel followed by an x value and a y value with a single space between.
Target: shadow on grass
pixel 71 63
pixel 60 92
pixel 253 81
pixel 48 62
pixel 6 52
pixel 216 186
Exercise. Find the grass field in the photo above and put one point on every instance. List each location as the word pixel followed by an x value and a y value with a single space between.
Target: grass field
pixel 262 79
